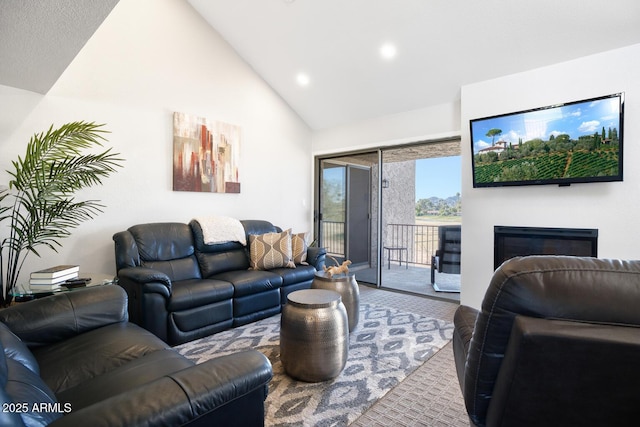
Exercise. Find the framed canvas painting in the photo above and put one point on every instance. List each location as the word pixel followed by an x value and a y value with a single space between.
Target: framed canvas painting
pixel 205 155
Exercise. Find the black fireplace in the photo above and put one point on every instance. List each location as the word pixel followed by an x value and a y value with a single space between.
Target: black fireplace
pixel 511 242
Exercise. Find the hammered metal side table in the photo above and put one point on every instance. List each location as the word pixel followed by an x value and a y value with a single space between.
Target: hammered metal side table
pixel 347 286
pixel 314 335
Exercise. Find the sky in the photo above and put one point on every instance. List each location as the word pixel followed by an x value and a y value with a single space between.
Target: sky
pixel 576 119
pixel 439 177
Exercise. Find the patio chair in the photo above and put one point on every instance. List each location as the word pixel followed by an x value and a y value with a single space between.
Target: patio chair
pixel 447 256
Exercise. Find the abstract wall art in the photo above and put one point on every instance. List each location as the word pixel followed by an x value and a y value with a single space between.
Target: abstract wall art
pixel 206 155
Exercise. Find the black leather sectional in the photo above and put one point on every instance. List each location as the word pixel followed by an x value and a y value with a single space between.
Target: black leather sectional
pixel 182 289
pixel 72 359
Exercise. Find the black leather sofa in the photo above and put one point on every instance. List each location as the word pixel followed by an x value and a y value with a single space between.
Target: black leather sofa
pixel 182 289
pixel 556 343
pixel 73 359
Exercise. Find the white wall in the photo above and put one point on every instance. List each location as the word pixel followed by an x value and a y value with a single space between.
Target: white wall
pixel 147 60
pixel 610 207
pixel 440 121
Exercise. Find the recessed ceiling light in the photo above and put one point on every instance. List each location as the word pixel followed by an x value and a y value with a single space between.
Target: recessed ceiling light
pixel 388 51
pixel 303 79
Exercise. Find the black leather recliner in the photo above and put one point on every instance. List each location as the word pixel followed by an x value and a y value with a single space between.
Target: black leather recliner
pixel 157 266
pixel 73 359
pixel 182 289
pixel 556 343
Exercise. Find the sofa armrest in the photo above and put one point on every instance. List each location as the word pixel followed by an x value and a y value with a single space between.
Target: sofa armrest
pixel 567 373
pixel 61 316
pixel 145 279
pixel 464 321
pixel 149 293
pixel 316 257
pixel 229 391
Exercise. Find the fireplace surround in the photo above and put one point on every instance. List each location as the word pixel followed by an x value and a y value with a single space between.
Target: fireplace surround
pixel 511 242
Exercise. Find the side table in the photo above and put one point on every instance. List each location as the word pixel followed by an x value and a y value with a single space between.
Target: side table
pixel 400 250
pixel 25 293
pixel 347 286
pixel 314 335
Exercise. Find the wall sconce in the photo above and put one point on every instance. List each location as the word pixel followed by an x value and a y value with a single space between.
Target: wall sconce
pixel 385 183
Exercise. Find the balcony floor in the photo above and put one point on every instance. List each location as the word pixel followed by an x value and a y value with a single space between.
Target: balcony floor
pixel 414 279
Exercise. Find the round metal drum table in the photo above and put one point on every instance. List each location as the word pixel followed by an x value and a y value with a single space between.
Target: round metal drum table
pixel 347 287
pixel 314 335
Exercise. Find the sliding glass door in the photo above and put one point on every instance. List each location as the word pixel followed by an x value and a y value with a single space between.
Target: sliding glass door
pixel 420 193
pixel 346 202
pixel 369 209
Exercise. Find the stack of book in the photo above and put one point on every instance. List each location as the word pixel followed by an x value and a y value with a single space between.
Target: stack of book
pixel 53 278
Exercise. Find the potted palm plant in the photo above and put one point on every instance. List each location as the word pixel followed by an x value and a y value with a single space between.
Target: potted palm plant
pixel 39 203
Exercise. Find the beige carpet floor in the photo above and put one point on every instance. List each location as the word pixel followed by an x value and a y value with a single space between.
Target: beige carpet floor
pixel 430 396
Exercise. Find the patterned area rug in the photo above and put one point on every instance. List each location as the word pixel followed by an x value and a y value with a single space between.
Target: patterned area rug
pixel 385 347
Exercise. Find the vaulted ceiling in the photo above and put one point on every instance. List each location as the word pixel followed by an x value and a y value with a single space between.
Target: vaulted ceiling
pixel 39 39
pixel 336 45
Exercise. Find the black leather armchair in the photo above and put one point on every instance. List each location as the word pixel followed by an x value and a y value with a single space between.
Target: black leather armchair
pixel 556 343
pixel 73 359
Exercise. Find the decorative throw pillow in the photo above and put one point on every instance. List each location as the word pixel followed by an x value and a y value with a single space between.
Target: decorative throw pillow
pixel 299 247
pixel 271 250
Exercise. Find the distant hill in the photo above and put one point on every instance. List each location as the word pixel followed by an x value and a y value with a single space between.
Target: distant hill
pixel 451 206
pixel 451 200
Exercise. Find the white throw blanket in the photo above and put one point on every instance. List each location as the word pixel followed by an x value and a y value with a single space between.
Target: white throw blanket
pixel 221 229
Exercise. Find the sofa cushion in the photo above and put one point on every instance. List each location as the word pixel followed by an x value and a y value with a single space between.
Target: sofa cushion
pixel 198 322
pixel 8 418
pixel 300 274
pixel 218 257
pixel 270 250
pixel 135 373
pixel 214 259
pixel 186 294
pixel 258 226
pixel 249 282
pixel 176 269
pixel 22 385
pixel 163 241
pixel 166 247
pixel 252 308
pixel 66 314
pixel 15 349
pixel 71 362
pixel 25 387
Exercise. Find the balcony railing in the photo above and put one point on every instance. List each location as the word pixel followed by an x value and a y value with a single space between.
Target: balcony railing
pixel 333 237
pixel 421 241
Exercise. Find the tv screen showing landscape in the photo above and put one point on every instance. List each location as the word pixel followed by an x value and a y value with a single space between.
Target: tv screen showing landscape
pixel 561 144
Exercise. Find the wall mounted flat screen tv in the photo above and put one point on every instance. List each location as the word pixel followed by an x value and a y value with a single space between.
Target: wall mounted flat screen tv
pixel 560 144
